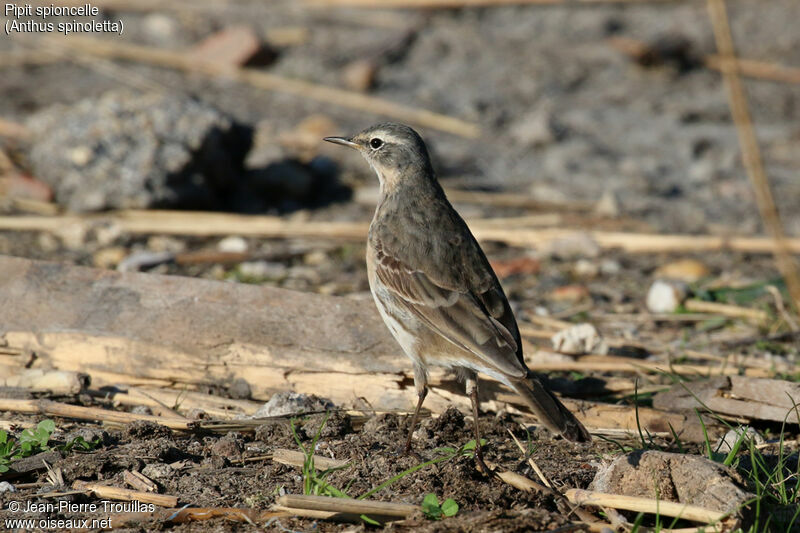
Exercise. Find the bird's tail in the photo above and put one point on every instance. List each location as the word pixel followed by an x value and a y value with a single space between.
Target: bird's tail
pixel 549 410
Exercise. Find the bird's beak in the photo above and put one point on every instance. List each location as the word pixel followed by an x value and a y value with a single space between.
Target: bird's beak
pixel 342 141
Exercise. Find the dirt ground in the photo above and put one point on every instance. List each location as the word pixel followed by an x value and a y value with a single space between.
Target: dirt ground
pixel 231 471
pixel 565 118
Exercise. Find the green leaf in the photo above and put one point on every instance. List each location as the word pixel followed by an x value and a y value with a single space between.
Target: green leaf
pixel 3 436
pixel 470 445
pixel 430 501
pixel 46 425
pixel 369 520
pixel 430 507
pixel 449 507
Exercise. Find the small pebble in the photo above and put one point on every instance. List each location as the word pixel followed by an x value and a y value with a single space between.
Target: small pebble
pixel 292 403
pixel 157 471
pixel 232 244
pixel 748 434
pixel 665 296
pixel 609 267
pixel 586 269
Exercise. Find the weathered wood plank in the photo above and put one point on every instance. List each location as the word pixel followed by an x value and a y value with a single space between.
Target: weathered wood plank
pixel 164 331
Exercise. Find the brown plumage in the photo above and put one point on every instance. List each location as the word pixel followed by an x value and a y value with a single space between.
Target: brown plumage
pixel 433 285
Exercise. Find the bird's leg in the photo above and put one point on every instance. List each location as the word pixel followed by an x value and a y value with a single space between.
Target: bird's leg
pixel 421 393
pixel 472 391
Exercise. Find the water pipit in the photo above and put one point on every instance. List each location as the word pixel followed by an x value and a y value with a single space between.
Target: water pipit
pixel 434 287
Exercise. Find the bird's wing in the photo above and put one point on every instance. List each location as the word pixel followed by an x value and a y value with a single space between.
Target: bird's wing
pixel 473 316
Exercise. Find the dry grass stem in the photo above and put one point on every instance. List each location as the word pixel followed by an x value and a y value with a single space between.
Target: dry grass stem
pixel 297 458
pixel 751 154
pixel 644 505
pixel 733 311
pixel 51 408
pixel 117 493
pixel 208 224
pixel 531 462
pixel 347 506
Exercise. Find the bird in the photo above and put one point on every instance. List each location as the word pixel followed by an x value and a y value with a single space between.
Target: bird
pixel 434 288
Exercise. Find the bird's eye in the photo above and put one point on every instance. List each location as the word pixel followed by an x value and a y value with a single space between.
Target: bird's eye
pixel 376 143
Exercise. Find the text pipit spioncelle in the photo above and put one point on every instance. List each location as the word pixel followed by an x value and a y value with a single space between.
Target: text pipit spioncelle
pixel 434 287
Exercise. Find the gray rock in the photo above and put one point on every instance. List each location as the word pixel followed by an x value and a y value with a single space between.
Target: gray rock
pixel 157 470
pixel 727 442
pixel 674 477
pixel 229 446
pixel 126 150
pixel 89 434
pixel 292 403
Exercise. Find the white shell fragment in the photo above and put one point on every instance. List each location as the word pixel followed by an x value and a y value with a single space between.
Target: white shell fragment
pixel 578 340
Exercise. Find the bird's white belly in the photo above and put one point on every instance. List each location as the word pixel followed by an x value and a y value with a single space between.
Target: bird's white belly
pixel 405 337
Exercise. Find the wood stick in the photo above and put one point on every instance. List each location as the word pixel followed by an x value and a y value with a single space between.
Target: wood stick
pixel 746 67
pixel 751 154
pixel 194 514
pixel 347 506
pixel 735 311
pixel 210 224
pixel 114 49
pixel 520 482
pixel 36 207
pixel 609 363
pixel 531 462
pixel 754 69
pixel 56 382
pixel 51 408
pixel 318 515
pixel 645 505
pixel 139 481
pixel 118 493
pixel 186 400
pixel 13 129
pixel 297 458
pixel 654 317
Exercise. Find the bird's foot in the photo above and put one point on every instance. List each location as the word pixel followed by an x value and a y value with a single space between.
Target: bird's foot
pixel 481 466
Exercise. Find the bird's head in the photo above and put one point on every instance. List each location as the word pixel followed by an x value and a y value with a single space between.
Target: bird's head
pixel 394 151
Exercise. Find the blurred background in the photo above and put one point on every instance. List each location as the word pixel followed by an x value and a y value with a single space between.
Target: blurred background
pixel 609 115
